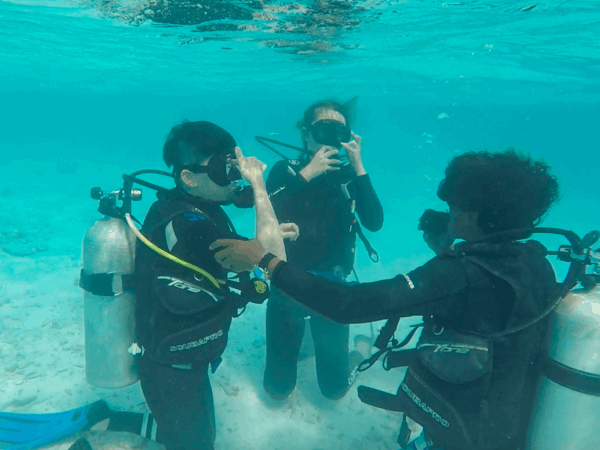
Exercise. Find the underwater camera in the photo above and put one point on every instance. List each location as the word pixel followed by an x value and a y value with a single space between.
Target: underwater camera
pixel 433 222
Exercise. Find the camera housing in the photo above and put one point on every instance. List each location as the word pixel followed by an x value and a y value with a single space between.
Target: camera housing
pixel 434 223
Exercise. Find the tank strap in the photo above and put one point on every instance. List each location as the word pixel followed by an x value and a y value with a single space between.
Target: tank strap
pixel 392 359
pixel 370 249
pixel 577 380
pixel 106 284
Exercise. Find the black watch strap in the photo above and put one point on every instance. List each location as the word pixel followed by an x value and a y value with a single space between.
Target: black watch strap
pixel 264 262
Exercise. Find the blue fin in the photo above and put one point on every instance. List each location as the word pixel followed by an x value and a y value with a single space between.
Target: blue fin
pixel 30 431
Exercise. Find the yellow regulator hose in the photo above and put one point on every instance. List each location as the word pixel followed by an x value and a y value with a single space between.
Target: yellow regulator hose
pixel 167 255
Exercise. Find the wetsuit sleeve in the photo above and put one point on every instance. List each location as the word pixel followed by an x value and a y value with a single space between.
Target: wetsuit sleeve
pixel 284 180
pixel 181 290
pixel 431 289
pixel 368 206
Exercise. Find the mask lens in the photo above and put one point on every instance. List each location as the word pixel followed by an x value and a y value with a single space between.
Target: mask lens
pixel 222 172
pixel 330 133
pixel 442 191
pixel 343 134
pixel 232 172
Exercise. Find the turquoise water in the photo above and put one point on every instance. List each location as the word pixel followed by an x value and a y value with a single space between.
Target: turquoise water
pixel 90 89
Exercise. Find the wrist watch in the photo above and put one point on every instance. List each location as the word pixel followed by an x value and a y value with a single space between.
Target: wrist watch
pixel 261 270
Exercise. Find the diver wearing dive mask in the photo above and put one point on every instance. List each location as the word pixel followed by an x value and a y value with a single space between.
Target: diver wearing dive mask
pixel 325 134
pixel 219 169
pixel 330 132
pixel 315 193
pixel 183 319
pixel 222 170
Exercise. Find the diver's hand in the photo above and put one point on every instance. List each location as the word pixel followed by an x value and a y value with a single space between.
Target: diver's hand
pixel 353 150
pixel 251 168
pixel 289 231
pixel 324 161
pixel 237 255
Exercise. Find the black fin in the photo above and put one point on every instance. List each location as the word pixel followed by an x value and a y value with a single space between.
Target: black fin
pixel 81 444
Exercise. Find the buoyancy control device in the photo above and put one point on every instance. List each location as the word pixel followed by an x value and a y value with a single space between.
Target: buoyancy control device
pixel 567 406
pixel 108 284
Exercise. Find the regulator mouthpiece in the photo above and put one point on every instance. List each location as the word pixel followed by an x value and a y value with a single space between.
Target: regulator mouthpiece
pixel 238 185
pixel 590 239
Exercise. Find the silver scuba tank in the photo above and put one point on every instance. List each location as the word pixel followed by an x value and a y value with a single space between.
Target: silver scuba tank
pixel 566 414
pixel 108 262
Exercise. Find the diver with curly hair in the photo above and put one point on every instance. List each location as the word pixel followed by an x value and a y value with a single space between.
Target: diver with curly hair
pixel 471 381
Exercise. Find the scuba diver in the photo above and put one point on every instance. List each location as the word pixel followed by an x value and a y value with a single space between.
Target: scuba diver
pixel 471 379
pixel 319 193
pixel 183 317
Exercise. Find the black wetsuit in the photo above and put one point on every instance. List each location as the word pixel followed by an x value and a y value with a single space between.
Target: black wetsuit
pixel 324 213
pixel 483 288
pixel 177 306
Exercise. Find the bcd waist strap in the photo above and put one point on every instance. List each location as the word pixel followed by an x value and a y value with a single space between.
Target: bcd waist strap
pixel 417 400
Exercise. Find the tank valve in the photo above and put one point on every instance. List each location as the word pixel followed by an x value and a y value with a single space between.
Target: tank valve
pixel 98 194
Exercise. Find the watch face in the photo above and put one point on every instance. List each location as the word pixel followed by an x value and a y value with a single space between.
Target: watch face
pixel 258 273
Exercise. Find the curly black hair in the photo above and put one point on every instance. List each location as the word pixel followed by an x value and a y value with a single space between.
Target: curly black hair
pixel 509 189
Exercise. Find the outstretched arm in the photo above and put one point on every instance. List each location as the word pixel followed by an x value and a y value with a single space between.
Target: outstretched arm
pixel 435 287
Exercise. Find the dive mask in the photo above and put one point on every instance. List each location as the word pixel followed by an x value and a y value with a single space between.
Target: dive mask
pixel 219 169
pixel 329 132
pixel 442 191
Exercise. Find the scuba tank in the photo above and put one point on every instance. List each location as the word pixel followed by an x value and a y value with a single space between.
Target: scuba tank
pixel 106 278
pixel 565 414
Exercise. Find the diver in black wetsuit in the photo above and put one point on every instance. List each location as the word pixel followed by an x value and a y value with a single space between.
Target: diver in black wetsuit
pixel 465 294
pixel 321 199
pixel 183 315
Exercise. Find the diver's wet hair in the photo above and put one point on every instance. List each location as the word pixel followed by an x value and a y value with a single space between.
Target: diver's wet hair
pixel 193 142
pixel 509 189
pixel 347 109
